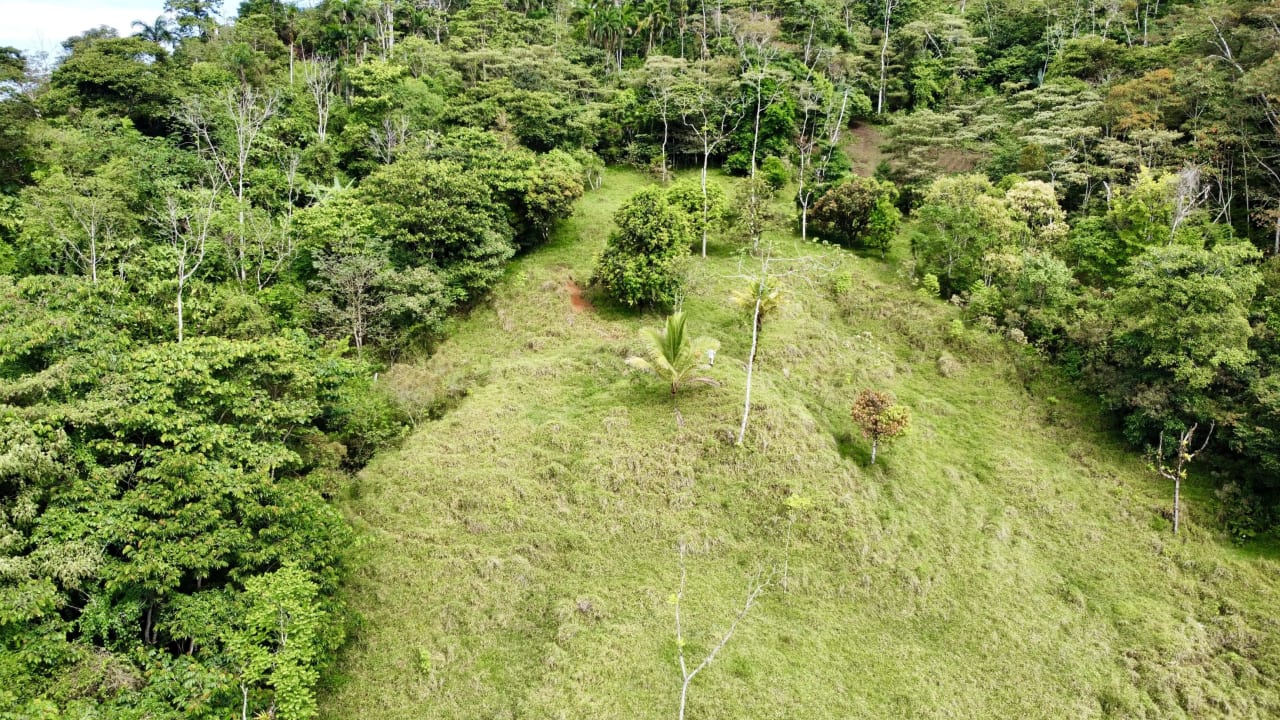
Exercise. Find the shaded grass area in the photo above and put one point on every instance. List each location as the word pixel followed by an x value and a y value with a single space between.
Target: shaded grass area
pixel 1004 560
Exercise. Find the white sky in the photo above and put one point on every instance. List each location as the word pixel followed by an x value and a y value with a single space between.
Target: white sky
pixel 34 25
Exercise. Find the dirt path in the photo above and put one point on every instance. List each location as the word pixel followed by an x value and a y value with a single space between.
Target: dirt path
pixel 576 300
pixel 862 145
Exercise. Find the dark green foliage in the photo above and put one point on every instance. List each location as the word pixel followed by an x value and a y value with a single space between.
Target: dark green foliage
pixel 640 266
pixel 127 77
pixel 775 172
pixel 554 185
pixel 153 485
pixel 436 213
pixel 859 212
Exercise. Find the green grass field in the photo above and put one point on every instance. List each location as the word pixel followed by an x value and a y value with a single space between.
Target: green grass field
pixel 1005 559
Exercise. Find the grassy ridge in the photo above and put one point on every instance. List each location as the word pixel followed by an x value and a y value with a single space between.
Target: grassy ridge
pixel 1005 559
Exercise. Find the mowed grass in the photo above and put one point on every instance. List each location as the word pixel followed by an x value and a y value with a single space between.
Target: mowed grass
pixel 1005 559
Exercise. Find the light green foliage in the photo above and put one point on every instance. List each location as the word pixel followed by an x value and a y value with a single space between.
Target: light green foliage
pixel 776 172
pixel 686 196
pixel 962 219
pixel 641 264
pixel 1184 312
pixel 1011 565
pixel 761 297
pixel 275 639
pixel 1034 204
pixel 673 356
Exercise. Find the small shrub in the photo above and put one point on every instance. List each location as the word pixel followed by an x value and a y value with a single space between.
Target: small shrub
pixel 686 196
pixel 641 264
pixel 842 283
pixel 1240 512
pixel 776 172
pixel 930 287
pixel 860 212
pixel 949 366
pixel 880 418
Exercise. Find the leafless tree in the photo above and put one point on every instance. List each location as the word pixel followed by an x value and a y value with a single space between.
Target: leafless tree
pixel 754 35
pixel 388 138
pixel 757 587
pixel 85 216
pixel 1188 193
pixel 764 297
pixel 710 111
pixel 187 223
pixel 274 235
pixel 384 23
pixel 662 74
pixel 246 111
pixel 352 281
pixel 439 13
pixel 319 74
pixel 890 6
pixel 821 120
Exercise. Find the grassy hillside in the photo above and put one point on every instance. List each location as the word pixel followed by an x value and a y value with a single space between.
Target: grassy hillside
pixel 1004 560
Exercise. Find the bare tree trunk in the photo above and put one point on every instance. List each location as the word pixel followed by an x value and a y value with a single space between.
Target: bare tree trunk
pixel 884 53
pixel 188 231
pixel 1179 470
pixel 706 160
pixel 1178 493
pixel 751 362
pixel 874 443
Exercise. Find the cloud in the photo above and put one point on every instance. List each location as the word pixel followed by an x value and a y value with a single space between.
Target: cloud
pixel 42 25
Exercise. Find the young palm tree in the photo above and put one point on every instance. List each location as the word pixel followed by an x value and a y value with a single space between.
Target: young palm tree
pixel 761 297
pixel 673 357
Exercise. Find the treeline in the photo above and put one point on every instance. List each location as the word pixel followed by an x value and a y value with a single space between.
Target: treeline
pixel 1122 213
pixel 211 231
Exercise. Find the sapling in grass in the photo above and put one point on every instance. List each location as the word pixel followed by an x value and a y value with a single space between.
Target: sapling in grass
pixel 880 418
pixel 1177 472
pixel 687 674
pixel 674 357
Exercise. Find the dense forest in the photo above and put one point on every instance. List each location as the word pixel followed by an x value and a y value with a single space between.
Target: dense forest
pixel 218 226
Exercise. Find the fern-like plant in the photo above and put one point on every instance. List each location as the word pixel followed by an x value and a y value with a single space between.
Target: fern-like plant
pixel 674 357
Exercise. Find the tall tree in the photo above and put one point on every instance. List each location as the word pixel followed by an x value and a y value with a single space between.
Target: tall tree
pixel 711 108
pixel 226 132
pixel 158 32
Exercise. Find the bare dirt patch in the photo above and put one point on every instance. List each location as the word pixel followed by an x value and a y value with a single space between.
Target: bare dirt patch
pixel 576 300
pixel 862 145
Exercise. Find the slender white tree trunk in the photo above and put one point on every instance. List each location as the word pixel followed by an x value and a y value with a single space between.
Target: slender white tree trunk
pixel 1177 502
pixel 884 55
pixel 706 160
pixel 751 362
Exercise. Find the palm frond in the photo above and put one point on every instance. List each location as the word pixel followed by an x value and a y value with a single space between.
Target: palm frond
pixel 673 357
